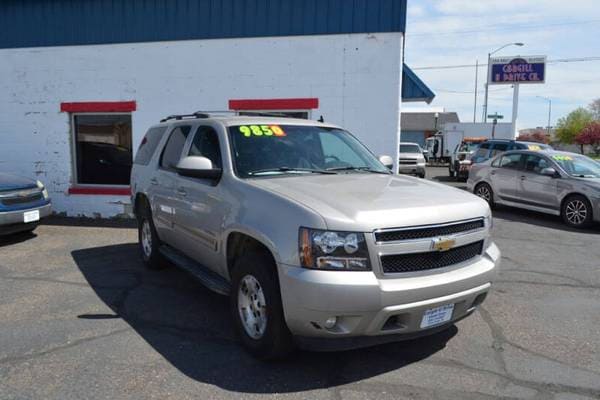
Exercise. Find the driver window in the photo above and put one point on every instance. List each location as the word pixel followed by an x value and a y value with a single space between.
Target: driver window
pixel 331 144
pixel 206 144
pixel 535 164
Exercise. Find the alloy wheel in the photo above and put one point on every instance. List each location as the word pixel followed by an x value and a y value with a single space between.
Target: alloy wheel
pixel 146 238
pixel 484 192
pixel 576 212
pixel 252 307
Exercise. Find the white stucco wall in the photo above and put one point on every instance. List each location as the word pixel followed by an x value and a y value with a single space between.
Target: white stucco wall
pixel 355 77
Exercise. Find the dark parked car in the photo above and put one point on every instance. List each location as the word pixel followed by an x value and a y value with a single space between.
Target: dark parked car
pixel 23 202
pixel 491 148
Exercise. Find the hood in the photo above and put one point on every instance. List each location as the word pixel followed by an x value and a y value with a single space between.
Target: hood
pixel 411 155
pixel 15 182
pixel 365 202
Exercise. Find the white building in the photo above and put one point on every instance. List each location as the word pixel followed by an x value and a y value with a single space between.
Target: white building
pixel 82 81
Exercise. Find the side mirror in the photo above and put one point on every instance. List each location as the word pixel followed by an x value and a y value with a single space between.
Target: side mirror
pixel 551 172
pixel 387 161
pixel 198 167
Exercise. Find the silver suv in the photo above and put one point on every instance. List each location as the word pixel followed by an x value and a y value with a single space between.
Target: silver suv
pixel 314 240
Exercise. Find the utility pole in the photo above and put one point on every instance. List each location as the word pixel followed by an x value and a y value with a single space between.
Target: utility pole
pixel 549 100
pixel 475 105
pixel 515 109
pixel 489 71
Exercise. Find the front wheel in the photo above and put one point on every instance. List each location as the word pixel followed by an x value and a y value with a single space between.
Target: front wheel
pixel 256 307
pixel 577 212
pixel 484 191
pixel 148 240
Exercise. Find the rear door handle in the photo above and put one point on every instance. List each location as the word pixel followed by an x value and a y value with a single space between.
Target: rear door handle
pixel 181 191
pixel 493 173
pixel 154 181
pixel 522 177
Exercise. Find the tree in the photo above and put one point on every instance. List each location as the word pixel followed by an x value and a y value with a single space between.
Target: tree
pixel 595 109
pixel 570 126
pixel 538 136
pixel 590 135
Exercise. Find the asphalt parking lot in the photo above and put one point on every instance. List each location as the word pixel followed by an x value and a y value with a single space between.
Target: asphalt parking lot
pixel 80 318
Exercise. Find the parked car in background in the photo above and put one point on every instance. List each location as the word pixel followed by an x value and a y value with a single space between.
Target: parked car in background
pixel 23 203
pixel 411 159
pixel 459 163
pixel 553 182
pixel 491 148
pixel 315 241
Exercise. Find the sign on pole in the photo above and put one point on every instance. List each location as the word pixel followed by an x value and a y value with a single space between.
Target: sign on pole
pixel 518 69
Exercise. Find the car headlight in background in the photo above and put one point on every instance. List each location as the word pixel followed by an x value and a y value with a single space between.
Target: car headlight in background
pixel 333 251
pixel 44 190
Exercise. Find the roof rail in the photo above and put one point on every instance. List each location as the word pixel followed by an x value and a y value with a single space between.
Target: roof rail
pixel 197 114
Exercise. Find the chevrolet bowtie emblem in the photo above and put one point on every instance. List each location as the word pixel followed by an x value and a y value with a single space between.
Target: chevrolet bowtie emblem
pixel 443 244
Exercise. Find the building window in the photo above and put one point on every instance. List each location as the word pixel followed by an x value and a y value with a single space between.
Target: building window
pixel 102 147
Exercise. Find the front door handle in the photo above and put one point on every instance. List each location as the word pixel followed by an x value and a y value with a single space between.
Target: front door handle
pixel 522 177
pixel 154 181
pixel 181 191
pixel 493 173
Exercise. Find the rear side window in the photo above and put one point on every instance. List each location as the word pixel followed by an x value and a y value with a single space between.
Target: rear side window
pixel 482 152
pixel 148 145
pixel 172 152
pixel 510 161
pixel 499 148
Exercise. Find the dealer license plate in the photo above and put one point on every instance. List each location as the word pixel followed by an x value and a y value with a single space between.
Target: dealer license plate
pixel 31 216
pixel 437 316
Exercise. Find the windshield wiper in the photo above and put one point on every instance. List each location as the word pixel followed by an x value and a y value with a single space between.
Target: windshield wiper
pixel 289 169
pixel 365 168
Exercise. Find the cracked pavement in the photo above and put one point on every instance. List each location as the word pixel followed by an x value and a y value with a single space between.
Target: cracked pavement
pixel 80 318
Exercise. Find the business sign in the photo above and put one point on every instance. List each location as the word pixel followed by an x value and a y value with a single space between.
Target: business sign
pixel 511 70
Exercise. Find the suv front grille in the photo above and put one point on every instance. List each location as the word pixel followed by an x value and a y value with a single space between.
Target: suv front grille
pixel 408 161
pixel 428 232
pixel 23 197
pixel 398 263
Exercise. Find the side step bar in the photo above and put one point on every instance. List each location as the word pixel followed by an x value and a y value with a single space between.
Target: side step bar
pixel 210 279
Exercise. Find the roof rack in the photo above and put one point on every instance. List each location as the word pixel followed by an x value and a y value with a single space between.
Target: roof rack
pixel 208 114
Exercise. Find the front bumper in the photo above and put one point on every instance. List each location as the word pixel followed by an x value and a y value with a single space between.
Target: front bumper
pixel 367 306
pixel 12 221
pixel 415 169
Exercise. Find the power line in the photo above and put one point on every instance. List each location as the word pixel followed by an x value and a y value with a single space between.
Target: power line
pixel 503 27
pixel 555 61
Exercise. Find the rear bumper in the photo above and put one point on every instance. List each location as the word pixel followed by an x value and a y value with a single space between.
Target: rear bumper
pixel 367 306
pixel 12 221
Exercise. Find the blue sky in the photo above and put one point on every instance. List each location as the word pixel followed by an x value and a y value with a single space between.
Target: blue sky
pixel 457 32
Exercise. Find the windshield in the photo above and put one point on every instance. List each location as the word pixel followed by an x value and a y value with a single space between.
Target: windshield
pixel 578 166
pixel 262 150
pixel 468 147
pixel 409 148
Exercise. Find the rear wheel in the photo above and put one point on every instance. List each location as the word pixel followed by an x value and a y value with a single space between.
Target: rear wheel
pixel 256 307
pixel 485 191
pixel 148 239
pixel 577 211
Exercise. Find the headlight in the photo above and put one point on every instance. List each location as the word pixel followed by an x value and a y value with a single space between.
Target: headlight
pixel 329 250
pixel 44 191
pixel 489 221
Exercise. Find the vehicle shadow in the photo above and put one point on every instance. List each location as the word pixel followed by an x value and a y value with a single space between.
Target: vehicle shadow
pixel 14 238
pixel 56 220
pixel 539 219
pixel 190 327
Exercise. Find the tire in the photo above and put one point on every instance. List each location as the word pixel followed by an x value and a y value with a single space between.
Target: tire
pixel 256 307
pixel 148 240
pixel 576 211
pixel 422 176
pixel 451 172
pixel 485 191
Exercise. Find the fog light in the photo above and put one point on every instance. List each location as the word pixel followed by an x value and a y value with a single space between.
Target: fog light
pixel 330 322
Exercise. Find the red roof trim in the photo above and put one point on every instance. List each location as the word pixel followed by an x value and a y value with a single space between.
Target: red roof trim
pixel 99 106
pixel 107 191
pixel 274 104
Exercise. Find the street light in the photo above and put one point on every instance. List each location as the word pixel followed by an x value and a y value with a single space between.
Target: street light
pixel 487 83
pixel 549 100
